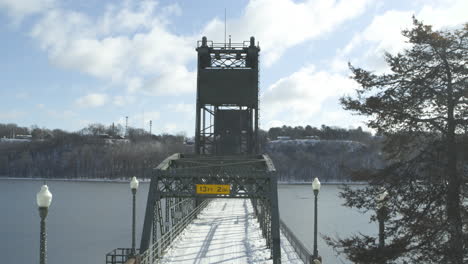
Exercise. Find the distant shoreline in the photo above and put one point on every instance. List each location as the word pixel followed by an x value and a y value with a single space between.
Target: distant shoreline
pixel 147 181
pixel 72 180
pixel 323 183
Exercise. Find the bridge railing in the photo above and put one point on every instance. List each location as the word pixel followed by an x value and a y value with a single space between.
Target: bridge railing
pixel 119 255
pixel 154 253
pixel 302 252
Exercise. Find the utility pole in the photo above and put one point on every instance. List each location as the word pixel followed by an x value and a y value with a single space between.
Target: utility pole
pixel 126 126
pixel 151 124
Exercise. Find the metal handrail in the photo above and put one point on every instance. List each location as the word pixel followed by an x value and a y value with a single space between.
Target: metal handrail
pixel 154 253
pixel 119 255
pixel 302 252
pixel 232 45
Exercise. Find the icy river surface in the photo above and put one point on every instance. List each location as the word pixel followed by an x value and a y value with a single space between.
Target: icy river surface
pixel 88 219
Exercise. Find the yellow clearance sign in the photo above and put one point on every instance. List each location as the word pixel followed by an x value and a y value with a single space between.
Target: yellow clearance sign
pixel 213 189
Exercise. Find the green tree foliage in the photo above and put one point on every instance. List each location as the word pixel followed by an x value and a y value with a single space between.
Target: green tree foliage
pixel 420 106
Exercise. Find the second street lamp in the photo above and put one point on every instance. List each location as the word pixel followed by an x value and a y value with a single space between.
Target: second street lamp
pixel 381 214
pixel 316 189
pixel 43 199
pixel 381 200
pixel 134 186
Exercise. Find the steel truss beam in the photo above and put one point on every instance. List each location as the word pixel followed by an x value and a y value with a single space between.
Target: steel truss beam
pixel 211 137
pixel 173 185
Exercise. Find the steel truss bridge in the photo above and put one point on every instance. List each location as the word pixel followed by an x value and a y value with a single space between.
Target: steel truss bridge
pixel 226 163
pixel 174 188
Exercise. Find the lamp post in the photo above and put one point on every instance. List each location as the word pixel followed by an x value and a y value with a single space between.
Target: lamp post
pixel 134 187
pixel 381 200
pixel 316 188
pixel 381 214
pixel 43 199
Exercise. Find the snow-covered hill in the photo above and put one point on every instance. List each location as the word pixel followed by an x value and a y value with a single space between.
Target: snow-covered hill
pixel 331 160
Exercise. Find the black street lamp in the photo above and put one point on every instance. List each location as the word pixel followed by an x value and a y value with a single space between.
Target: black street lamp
pixel 316 188
pixel 43 199
pixel 134 186
pixel 381 200
pixel 381 215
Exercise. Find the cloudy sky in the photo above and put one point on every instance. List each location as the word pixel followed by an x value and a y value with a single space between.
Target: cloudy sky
pixel 65 64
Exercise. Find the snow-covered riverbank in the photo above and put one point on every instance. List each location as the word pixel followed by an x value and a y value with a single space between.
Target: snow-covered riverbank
pixel 148 180
pixel 72 180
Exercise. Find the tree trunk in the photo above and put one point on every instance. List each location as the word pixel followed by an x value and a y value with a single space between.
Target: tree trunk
pixel 455 254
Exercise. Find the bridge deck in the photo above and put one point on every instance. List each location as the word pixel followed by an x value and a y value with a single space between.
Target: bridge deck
pixel 226 232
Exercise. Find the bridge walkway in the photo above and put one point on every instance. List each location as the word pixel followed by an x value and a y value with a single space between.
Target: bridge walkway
pixel 226 231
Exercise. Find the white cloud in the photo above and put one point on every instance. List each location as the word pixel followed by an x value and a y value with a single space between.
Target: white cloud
pixel 385 30
pixel 128 45
pixel 92 100
pixel 184 108
pixel 120 100
pixel 19 9
pixel 134 84
pixel 22 95
pixel 446 13
pixel 73 42
pixel 274 123
pixel 172 81
pixel 170 128
pixel 383 34
pixel 127 17
pixel 142 119
pixel 159 125
pixel 282 24
pixel 67 114
pixel 11 115
pixel 303 95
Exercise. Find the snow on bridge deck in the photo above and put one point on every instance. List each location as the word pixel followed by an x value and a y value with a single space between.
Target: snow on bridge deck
pixel 226 231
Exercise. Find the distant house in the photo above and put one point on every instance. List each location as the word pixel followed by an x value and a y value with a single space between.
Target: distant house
pixel 104 135
pixel 29 137
pixel 283 138
pixel 18 138
pixel 189 141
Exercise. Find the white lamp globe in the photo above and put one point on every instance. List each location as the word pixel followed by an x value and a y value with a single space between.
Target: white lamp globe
pixel 134 183
pixel 44 197
pixel 381 197
pixel 316 184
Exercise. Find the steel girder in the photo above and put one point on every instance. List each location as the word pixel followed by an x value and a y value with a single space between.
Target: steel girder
pixel 249 176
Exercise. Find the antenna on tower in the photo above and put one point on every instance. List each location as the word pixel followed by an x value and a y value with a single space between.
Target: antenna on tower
pixel 225 27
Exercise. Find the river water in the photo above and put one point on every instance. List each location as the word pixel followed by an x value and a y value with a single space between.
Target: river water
pixel 88 219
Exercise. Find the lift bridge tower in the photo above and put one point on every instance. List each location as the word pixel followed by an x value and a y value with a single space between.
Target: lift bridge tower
pixel 227 162
pixel 227 98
